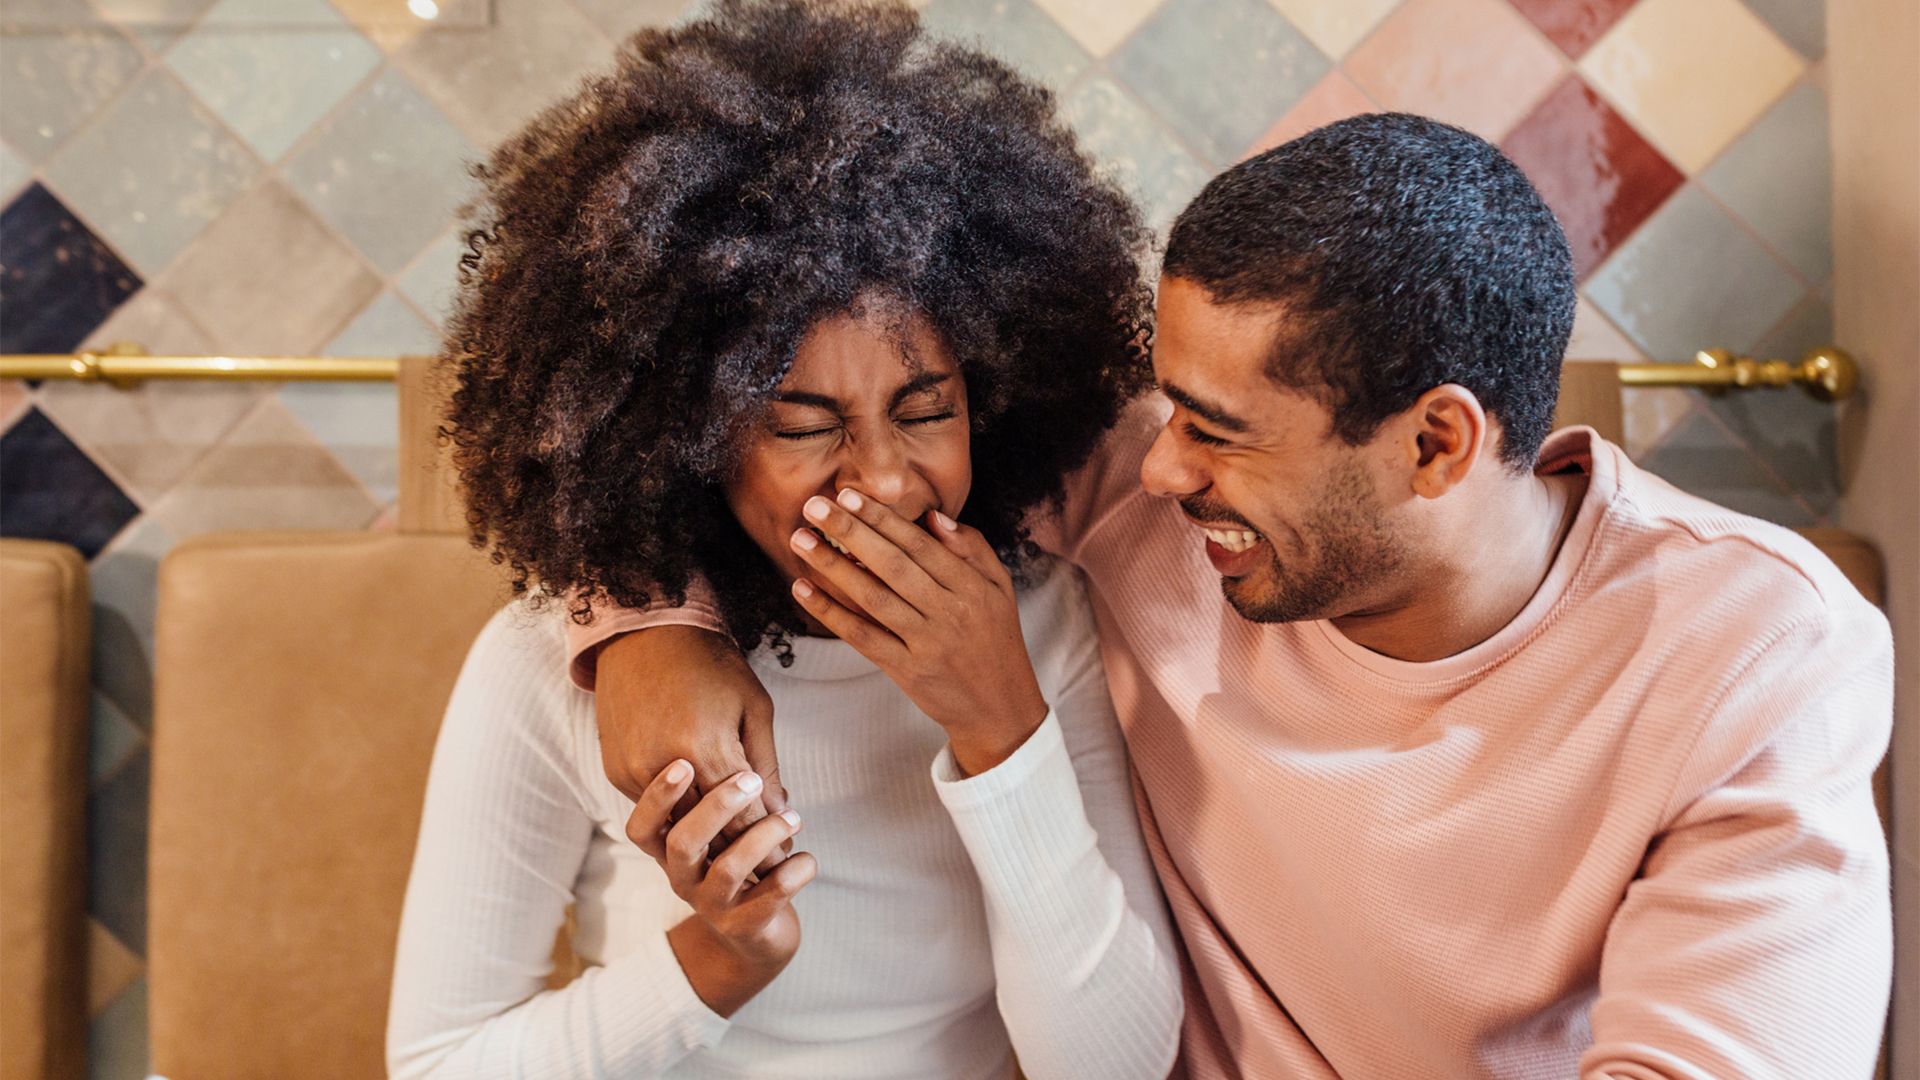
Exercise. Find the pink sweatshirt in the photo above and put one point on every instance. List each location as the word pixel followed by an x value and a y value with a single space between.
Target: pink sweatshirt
pixel 1629 836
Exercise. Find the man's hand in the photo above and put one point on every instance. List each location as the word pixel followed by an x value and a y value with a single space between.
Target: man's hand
pixel 945 624
pixel 672 693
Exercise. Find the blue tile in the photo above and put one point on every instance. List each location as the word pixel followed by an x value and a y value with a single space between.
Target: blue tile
pixel 1015 31
pixel 1702 458
pixel 111 738
pixel 152 171
pixel 1221 70
pixel 117 851
pixel 272 68
pixel 1800 23
pixel 1140 154
pixel 1779 178
pixel 1691 278
pixel 51 490
pixel 387 170
pixel 117 1037
pixel 1793 432
pixel 58 281
pixel 125 582
pixel 61 67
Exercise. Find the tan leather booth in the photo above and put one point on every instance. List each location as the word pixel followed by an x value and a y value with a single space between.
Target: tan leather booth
pixel 44 637
pixel 300 681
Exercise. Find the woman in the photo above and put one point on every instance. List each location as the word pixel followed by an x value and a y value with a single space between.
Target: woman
pixel 787 257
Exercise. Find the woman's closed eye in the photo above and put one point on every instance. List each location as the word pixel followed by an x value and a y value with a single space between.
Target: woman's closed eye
pixel 801 434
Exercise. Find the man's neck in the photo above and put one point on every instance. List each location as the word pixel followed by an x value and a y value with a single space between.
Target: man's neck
pixel 1482 581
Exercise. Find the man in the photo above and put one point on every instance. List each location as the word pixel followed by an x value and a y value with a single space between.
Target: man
pixel 1462 750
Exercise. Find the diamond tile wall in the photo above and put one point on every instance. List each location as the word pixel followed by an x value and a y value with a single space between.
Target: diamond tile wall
pixel 282 176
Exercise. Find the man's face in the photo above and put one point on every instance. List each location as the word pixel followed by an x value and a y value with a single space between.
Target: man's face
pixel 1289 513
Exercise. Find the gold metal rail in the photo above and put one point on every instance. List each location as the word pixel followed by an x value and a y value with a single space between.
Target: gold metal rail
pixel 1826 373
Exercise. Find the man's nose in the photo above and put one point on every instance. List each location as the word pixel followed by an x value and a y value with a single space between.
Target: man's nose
pixel 1168 470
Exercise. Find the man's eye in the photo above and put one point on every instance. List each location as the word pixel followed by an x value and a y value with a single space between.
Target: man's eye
pixel 809 433
pixel 1202 437
pixel 930 419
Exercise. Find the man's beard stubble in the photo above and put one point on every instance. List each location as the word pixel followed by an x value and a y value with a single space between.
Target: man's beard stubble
pixel 1351 549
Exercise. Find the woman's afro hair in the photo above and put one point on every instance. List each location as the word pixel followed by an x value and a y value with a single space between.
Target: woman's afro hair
pixel 646 255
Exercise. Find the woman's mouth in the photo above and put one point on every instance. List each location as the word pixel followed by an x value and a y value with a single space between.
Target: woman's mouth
pixel 837 546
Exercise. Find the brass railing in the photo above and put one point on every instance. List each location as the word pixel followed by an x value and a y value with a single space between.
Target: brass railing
pixel 1826 373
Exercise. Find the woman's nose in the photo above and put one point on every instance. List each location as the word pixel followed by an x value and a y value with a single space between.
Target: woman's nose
pixel 880 468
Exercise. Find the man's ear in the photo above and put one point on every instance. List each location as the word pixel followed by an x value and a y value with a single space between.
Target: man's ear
pixel 1449 433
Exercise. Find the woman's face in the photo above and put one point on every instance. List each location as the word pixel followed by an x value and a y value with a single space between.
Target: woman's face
pixel 855 412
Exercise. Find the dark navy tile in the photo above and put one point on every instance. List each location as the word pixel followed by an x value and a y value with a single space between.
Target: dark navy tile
pixel 57 280
pixel 51 490
pixel 117 852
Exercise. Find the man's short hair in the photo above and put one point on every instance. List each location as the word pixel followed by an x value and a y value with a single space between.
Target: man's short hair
pixel 1407 254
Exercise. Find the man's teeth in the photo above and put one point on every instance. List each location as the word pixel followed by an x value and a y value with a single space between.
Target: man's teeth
pixel 1235 540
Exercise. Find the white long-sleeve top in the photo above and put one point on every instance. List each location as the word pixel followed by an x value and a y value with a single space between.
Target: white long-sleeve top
pixel 953 921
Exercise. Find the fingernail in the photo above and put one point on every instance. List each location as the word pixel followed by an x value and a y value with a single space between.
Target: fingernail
pixel 749 783
pixel 678 771
pixel 850 499
pixel 801 589
pixel 792 819
pixel 817 508
pixel 805 540
pixel 944 521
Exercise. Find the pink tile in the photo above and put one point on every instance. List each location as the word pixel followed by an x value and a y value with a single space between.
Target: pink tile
pixel 1573 24
pixel 1601 178
pixel 13 401
pixel 1332 98
pixel 1474 63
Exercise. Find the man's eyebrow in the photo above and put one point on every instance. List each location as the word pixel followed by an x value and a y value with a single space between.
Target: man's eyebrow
pixel 1206 410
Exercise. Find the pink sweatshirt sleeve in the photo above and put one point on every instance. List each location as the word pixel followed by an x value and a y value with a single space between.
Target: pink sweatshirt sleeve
pixel 1757 941
pixel 610 621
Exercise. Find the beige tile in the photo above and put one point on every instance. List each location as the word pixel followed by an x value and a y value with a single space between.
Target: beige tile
pixel 1332 98
pixel 1099 25
pixel 150 435
pixel 387 23
pixel 1691 74
pixel 1335 25
pixel 111 967
pixel 620 18
pixel 269 472
pixel 1595 338
pixel 1649 413
pixel 490 82
pixel 1475 63
pixel 269 278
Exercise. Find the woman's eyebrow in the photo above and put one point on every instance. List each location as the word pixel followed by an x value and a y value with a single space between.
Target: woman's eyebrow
pixel 803 397
pixel 919 384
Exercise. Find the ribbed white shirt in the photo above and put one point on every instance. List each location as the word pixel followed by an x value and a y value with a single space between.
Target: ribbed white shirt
pixel 953 922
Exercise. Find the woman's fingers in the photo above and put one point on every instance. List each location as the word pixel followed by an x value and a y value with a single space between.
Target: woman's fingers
pixel 927 553
pixel 728 873
pixel 777 888
pixel 691 838
pixel 969 545
pixel 647 825
pixel 870 641
pixel 874 596
pixel 882 557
